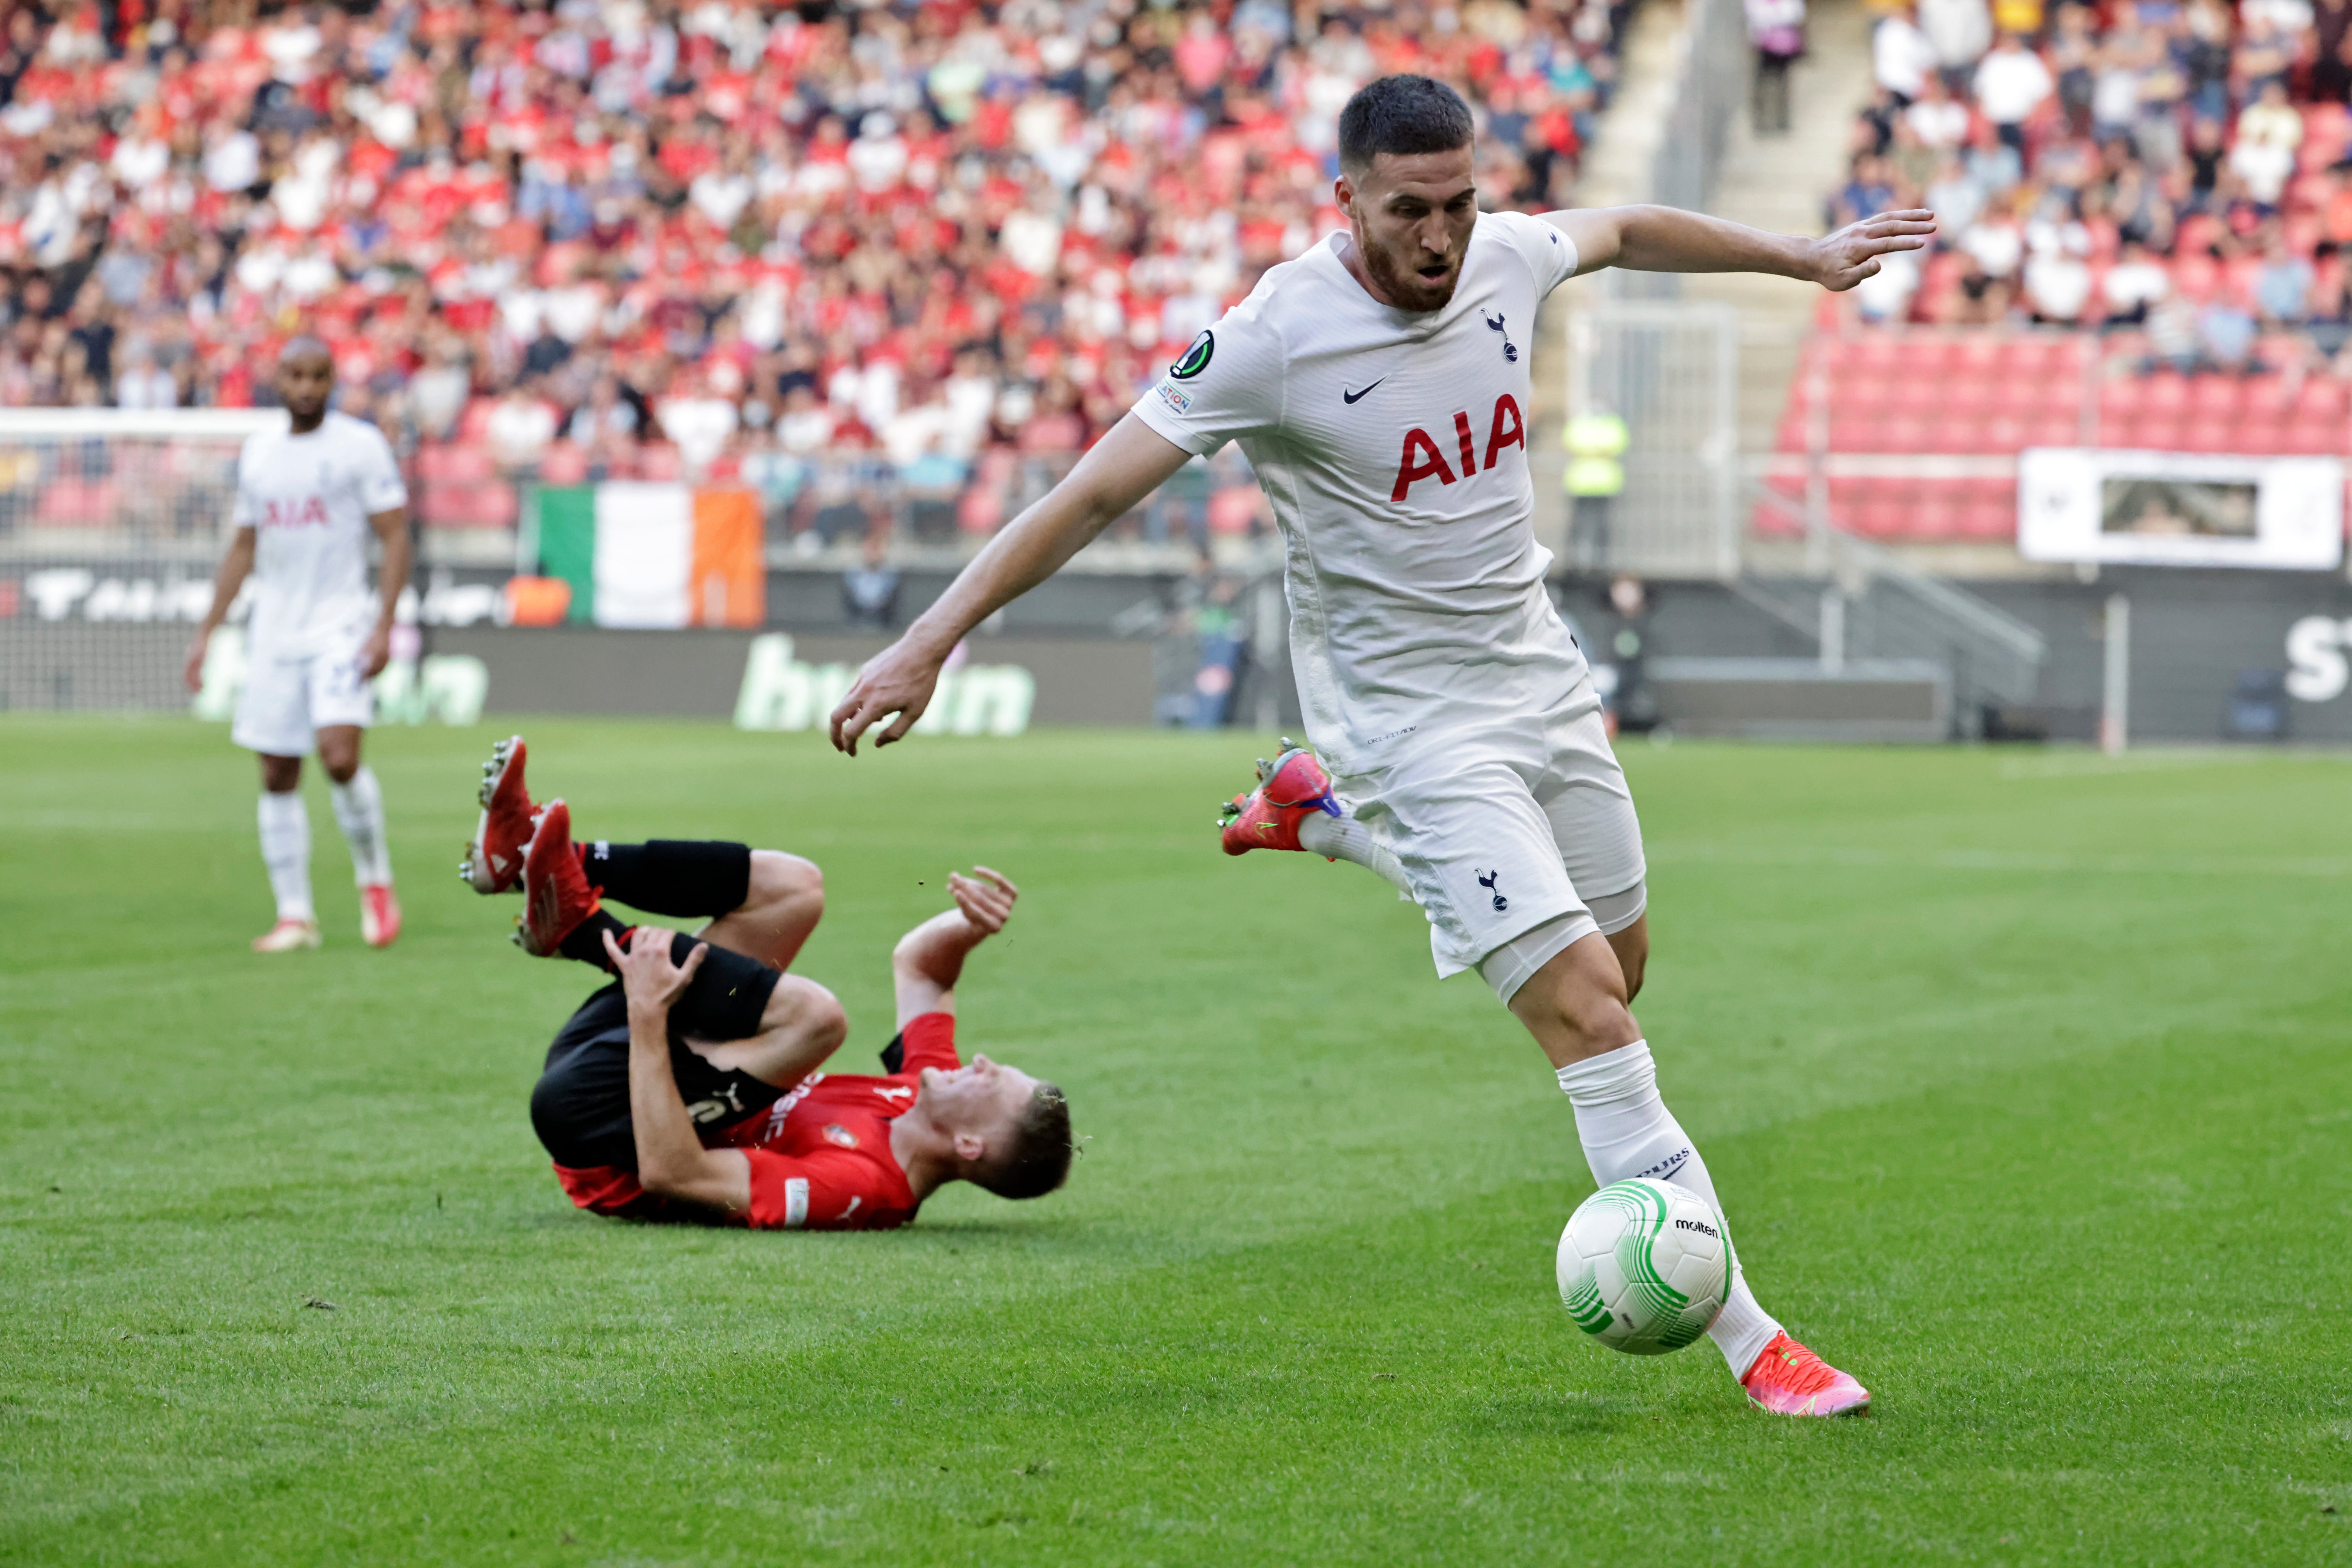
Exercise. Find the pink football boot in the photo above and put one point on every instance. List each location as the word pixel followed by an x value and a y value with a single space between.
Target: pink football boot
pixel 1290 789
pixel 1789 1380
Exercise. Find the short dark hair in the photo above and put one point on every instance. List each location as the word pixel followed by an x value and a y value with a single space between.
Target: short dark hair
pixel 1404 115
pixel 1038 1159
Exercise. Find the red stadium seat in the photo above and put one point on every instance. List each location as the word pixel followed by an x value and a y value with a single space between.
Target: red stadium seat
pixel 2215 397
pixel 2165 391
pixel 1985 522
pixel 441 462
pixel 2263 437
pixel 1933 519
pixel 2319 437
pixel 2004 434
pixel 2321 396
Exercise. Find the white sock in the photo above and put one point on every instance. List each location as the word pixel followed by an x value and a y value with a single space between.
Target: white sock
pixel 1345 838
pixel 359 807
pixel 1627 1131
pixel 285 850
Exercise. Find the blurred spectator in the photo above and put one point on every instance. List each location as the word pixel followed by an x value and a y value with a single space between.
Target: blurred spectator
pixel 1776 28
pixel 1901 57
pixel 2133 284
pixel 1959 31
pixel 2010 83
pixel 869 591
pixel 2283 286
pixel 797 232
pixel 518 429
pixel 144 384
pixel 2225 334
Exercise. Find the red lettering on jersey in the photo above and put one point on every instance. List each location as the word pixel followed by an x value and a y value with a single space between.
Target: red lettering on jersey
pixel 1515 435
pixel 1410 468
pixel 295 514
pixel 1462 439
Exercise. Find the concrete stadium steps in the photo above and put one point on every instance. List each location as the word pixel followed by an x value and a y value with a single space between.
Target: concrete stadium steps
pixel 1778 183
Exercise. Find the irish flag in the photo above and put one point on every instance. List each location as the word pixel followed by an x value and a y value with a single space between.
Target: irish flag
pixel 638 554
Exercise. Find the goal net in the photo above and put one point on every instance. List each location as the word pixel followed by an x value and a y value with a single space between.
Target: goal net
pixel 111 523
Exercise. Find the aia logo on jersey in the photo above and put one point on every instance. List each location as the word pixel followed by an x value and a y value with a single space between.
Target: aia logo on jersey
pixel 840 1137
pixel 311 510
pixel 1422 460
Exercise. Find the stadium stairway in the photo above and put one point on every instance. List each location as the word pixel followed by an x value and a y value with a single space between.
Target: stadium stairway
pixel 1775 181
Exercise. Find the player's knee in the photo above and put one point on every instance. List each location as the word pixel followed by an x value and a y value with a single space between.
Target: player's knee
pixel 785 886
pixel 281 775
pixel 809 1011
pixel 340 758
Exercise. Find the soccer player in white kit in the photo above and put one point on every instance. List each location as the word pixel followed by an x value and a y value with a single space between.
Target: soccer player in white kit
pixel 1379 384
pixel 307 500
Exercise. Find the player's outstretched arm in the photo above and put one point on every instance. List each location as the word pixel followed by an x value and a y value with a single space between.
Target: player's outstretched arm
pixel 671 1161
pixel 392 575
pixel 1128 464
pixel 236 564
pixel 1668 239
pixel 929 960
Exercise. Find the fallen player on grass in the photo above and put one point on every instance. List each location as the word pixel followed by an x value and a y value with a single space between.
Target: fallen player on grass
pixel 692 1088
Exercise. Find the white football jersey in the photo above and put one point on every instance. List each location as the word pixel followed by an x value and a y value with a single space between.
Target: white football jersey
pixel 308 499
pixel 1392 446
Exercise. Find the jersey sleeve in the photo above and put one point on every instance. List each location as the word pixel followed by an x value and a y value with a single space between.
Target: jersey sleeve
pixel 1549 253
pixel 381 488
pixel 929 1042
pixel 828 1190
pixel 1229 383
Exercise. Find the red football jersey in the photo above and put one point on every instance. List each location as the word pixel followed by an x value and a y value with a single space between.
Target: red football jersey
pixel 820 1156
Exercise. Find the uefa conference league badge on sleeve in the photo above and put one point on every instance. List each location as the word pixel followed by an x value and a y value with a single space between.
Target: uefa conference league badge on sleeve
pixel 1196 359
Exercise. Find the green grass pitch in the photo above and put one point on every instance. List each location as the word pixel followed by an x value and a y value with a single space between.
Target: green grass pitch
pixel 2025 1076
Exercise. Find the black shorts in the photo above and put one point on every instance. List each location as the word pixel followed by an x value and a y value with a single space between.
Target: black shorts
pixel 579 1108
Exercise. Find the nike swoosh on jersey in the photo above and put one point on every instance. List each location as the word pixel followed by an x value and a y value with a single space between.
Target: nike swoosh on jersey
pixel 1347 396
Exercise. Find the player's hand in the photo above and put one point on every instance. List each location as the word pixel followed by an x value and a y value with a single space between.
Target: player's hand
pixel 375 653
pixel 899 679
pixel 194 675
pixel 985 898
pixel 649 978
pixel 1844 258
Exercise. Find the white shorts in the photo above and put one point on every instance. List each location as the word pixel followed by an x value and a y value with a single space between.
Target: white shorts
pixel 1505 829
pixel 288 698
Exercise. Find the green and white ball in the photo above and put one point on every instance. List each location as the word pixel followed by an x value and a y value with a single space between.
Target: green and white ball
pixel 1644 1265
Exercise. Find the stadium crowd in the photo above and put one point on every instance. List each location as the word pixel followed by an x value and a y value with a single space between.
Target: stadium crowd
pixel 2180 169
pixel 631 236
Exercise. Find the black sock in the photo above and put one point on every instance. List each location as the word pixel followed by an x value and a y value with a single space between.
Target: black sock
pixel 725 999
pixel 586 941
pixel 680 877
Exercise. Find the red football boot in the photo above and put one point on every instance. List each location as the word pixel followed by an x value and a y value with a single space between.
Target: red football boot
pixel 379 914
pixel 1290 789
pixel 493 862
pixel 1789 1380
pixel 556 896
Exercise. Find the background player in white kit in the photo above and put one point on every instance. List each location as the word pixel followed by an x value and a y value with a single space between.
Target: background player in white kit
pixel 1379 384
pixel 307 500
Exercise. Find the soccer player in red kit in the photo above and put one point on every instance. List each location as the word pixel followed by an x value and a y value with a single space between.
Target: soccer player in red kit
pixel 693 1087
